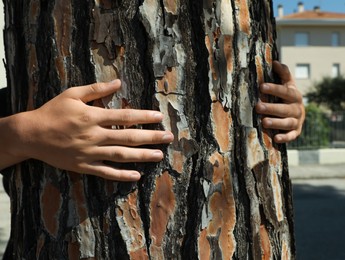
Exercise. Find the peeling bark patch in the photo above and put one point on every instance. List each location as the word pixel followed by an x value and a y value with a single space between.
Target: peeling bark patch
pixel 51 201
pixel 211 59
pixel 78 196
pixel 259 70
pixel 268 54
pixel 244 16
pixel 63 26
pixel 285 254
pixel 274 155
pixel 255 153
pixel 222 207
pixel 265 244
pixel 169 83
pixel 139 254
pixel 131 225
pixel 228 52
pixel 62 16
pixel 204 246
pixel 277 192
pixel 162 207
pixel 222 123
pixel 171 6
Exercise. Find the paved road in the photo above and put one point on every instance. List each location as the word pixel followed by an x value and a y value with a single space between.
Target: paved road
pixel 319 201
pixel 320 218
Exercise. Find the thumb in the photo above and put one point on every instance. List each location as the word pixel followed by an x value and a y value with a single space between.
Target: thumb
pixel 95 91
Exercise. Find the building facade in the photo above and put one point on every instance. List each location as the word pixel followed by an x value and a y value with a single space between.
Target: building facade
pixel 312 44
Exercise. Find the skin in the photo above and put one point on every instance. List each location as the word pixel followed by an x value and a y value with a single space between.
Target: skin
pixel 287 116
pixel 69 134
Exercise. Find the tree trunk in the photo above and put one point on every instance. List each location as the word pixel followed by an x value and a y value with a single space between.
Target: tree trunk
pixel 223 189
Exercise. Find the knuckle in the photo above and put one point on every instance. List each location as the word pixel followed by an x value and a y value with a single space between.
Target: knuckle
pixel 129 138
pixel 95 87
pixel 126 116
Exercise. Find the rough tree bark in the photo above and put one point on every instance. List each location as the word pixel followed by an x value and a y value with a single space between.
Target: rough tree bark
pixel 223 189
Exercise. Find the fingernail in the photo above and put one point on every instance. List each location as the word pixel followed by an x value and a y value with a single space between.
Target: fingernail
pixel 278 138
pixel 158 116
pixel 157 154
pixel 268 122
pixel 261 107
pixel 265 87
pixel 136 175
pixel 168 138
pixel 115 81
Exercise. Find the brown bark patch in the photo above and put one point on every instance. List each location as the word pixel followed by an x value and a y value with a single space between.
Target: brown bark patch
pixel 268 54
pixel 259 70
pixel 178 161
pixel 244 16
pixel 171 6
pixel 228 52
pixel 265 244
pixel 78 196
pixel 204 246
pixel 221 124
pixel 222 206
pixel 129 211
pixel 51 202
pixel 162 206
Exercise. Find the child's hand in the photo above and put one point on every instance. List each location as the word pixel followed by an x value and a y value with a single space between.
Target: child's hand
pixel 287 116
pixel 69 134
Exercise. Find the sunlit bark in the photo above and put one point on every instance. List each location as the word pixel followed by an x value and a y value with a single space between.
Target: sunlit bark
pixel 223 189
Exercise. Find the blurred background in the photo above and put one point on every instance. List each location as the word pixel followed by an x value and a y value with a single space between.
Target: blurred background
pixel 311 41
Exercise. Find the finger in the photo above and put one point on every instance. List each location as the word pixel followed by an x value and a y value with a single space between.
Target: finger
pixel 289 93
pixel 135 137
pixel 283 72
pixel 94 91
pixel 107 172
pixel 278 109
pixel 285 124
pixel 286 137
pixel 123 154
pixel 108 117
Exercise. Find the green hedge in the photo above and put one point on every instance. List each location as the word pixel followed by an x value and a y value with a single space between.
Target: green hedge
pixel 316 130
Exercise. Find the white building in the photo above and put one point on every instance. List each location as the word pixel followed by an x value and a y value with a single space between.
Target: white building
pixel 312 44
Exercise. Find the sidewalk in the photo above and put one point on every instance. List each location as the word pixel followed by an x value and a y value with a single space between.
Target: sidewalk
pixel 317 171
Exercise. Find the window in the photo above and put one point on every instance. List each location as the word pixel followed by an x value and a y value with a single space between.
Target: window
pixel 336 70
pixel 335 39
pixel 302 71
pixel 301 39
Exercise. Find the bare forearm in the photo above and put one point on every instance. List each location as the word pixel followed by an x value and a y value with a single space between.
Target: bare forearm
pixel 12 140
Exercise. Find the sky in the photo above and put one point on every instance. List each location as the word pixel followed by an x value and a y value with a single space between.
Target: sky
pixel 290 6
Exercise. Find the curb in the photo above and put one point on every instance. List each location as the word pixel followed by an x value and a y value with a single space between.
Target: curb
pixel 316 157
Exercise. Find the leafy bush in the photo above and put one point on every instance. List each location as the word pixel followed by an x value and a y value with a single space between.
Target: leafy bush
pixel 330 92
pixel 316 130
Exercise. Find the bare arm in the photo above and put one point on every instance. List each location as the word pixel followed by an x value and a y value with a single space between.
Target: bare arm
pixel 287 116
pixel 71 135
